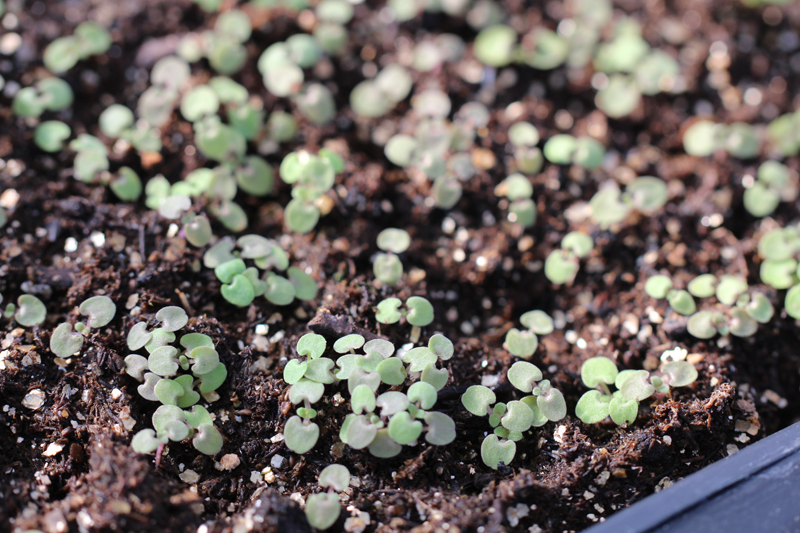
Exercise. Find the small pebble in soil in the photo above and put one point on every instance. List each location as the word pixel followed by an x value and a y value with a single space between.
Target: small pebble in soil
pixel 189 476
pixel 34 400
pixel 277 461
pixel 228 462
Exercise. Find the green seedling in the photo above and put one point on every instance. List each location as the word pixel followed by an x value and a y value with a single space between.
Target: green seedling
pixel 565 149
pixel 322 509
pixel 633 386
pixel 645 194
pixel 48 94
pixel 511 420
pixel 100 310
pixel 376 97
pixel 417 311
pixel 311 178
pixel 386 265
pixel 518 189
pixel 523 343
pixel 64 53
pixel 170 375
pixel 774 183
pixel 704 137
pixel 561 265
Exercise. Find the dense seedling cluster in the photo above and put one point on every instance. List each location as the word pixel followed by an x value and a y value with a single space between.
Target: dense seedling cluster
pixel 512 419
pixel 241 283
pixel 169 376
pixel 99 310
pixel 630 67
pixel 737 313
pixel 382 422
pixel 437 147
pixel 633 386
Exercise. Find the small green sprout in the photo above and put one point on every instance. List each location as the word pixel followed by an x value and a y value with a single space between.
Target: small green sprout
pixel 494 46
pixel 739 139
pixel 311 177
pixel 418 312
pixel 30 311
pixel 561 265
pixel 387 266
pixel 91 158
pixel 564 149
pixel 48 94
pixel 775 183
pixel 524 343
pixel 322 509
pixel 64 53
pixel 100 310
pixel 511 420
pixel 518 189
pixel 633 386
pixel 376 97
pixel 645 194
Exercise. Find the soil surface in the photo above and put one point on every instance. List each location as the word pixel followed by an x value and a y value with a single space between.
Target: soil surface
pixel 479 271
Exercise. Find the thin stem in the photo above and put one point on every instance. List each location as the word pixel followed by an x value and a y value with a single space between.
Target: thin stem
pixel 605 388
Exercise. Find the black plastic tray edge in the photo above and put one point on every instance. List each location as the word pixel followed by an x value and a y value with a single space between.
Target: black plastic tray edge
pixel 660 508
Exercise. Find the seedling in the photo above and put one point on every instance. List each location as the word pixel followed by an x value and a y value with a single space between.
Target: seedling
pixel 48 94
pixel 562 265
pixel 775 183
pixel 633 386
pixel 100 310
pixel 518 189
pixel 417 311
pixel 387 266
pixel 64 53
pixel 163 382
pixel 376 97
pixel 30 311
pixel 524 343
pixel 311 177
pixel 645 194
pixel 511 420
pixel 739 139
pixel 738 312
pixel 564 149
pixel 322 509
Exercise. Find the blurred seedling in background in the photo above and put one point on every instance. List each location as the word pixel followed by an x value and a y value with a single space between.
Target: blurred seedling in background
pixel 774 183
pixel 89 39
pixel 645 194
pixel 524 343
pixel 562 265
pixel 738 312
pixel 705 137
pixel 386 265
pixel 311 177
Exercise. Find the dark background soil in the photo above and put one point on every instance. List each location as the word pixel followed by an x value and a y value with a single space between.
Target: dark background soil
pixel 569 474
